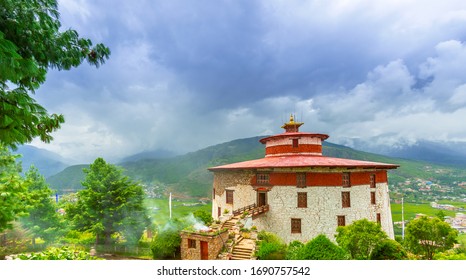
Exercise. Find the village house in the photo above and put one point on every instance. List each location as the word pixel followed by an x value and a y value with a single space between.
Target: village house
pixel 297 193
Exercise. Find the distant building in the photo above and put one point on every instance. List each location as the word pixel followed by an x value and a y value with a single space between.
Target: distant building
pixel 297 193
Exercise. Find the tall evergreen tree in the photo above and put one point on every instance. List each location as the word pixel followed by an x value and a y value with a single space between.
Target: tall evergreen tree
pixel 110 203
pixel 12 189
pixel 43 220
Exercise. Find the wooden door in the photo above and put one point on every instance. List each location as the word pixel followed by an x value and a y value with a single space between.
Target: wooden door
pixel 261 198
pixel 204 250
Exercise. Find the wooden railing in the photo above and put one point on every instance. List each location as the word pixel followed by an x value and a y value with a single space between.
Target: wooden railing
pixel 253 209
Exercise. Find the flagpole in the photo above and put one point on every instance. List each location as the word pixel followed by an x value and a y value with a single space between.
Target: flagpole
pixel 170 205
pixel 402 219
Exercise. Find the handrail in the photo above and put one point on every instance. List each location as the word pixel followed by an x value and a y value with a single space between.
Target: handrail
pixel 254 210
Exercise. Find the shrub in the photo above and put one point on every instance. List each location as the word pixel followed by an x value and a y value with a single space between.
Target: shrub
pixel 62 253
pixel 271 247
pixel 389 250
pixel 293 249
pixel 360 238
pixel 321 248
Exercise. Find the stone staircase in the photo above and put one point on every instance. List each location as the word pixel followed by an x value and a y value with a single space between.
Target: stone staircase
pixel 243 250
pixel 230 223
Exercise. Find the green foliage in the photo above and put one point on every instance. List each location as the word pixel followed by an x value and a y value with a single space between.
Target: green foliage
pixel 31 43
pixel 271 247
pixel 360 238
pixel 62 253
pixel 204 216
pixel 321 248
pixel 166 244
pixel 389 249
pixel 293 250
pixel 79 238
pixel 450 255
pixel 110 203
pixel 427 236
pixel 43 220
pixel 13 190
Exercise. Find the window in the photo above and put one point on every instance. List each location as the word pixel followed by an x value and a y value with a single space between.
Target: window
pixel 372 198
pixel 341 221
pixel 346 180
pixel 262 178
pixel 229 194
pixel 379 219
pixel 191 243
pixel 295 143
pixel 213 192
pixel 302 200
pixel 372 181
pixel 345 199
pixel 295 225
pixel 301 180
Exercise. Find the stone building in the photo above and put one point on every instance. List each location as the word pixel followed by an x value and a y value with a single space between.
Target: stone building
pixel 297 193
pixel 202 245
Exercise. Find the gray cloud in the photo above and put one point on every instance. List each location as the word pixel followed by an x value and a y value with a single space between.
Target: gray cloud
pixel 183 76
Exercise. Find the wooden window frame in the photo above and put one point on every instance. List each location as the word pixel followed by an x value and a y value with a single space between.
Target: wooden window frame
pixel 262 178
pixel 373 198
pixel 229 196
pixel 341 220
pixel 379 218
pixel 345 199
pixel 372 181
pixel 295 225
pixel 191 243
pixel 302 199
pixel 346 180
pixel 301 180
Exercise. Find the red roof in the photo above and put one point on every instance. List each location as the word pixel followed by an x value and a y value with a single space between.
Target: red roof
pixel 303 161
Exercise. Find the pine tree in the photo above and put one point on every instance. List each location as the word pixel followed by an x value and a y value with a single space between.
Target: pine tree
pixel 110 203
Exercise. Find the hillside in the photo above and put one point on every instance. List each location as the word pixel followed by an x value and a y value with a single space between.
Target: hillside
pixel 187 175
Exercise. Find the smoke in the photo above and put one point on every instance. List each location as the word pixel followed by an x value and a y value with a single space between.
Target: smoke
pixel 196 223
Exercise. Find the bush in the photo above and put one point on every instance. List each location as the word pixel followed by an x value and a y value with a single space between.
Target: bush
pixel 293 249
pixel 271 247
pixel 360 238
pixel 62 253
pixel 389 250
pixel 321 248
pixel 271 251
pixel 166 244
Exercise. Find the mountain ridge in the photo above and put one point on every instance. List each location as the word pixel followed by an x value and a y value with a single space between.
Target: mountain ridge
pixel 188 174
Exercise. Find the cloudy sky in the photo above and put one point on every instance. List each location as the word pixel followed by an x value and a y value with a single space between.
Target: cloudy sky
pixel 184 75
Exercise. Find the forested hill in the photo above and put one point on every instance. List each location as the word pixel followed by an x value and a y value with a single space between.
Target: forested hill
pixel 188 175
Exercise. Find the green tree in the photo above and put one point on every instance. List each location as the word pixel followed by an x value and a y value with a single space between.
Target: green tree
pixel 426 236
pixel 13 191
pixel 389 250
pixel 321 248
pixel 204 216
pixel 360 238
pixel 167 242
pixel 31 43
pixel 43 220
pixel 293 250
pixel 109 203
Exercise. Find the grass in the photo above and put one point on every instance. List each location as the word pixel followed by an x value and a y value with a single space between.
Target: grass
pixel 411 209
pixel 160 212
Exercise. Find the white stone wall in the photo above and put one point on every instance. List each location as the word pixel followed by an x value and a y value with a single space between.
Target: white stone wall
pixel 324 205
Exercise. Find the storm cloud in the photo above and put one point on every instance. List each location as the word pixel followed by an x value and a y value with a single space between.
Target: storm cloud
pixel 185 75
